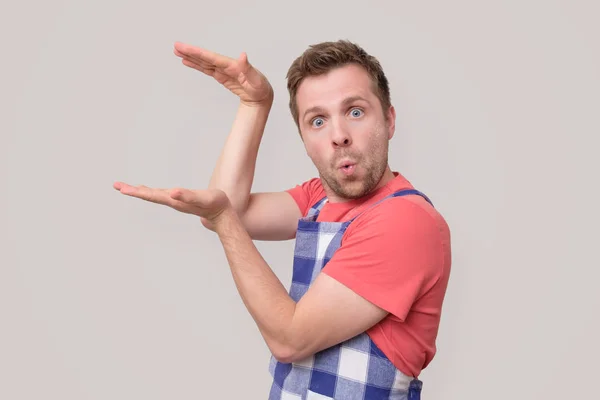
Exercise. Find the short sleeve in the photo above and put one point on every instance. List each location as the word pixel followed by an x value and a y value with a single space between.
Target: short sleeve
pixel 307 194
pixel 390 255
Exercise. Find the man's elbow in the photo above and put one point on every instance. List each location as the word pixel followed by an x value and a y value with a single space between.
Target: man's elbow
pixel 287 354
pixel 284 356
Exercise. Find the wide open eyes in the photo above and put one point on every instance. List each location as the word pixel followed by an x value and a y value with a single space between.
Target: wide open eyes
pixel 356 112
pixel 317 122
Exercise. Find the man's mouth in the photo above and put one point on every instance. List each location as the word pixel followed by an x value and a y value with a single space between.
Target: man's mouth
pixel 347 168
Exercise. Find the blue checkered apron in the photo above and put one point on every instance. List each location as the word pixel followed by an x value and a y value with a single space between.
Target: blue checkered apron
pixel 353 370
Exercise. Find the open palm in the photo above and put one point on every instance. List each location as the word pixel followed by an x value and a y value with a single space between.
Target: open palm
pixel 207 204
pixel 237 75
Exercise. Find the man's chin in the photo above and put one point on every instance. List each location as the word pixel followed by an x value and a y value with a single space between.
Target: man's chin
pixel 347 187
pixel 351 189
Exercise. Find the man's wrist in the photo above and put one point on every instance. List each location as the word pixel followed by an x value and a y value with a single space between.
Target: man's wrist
pixel 221 221
pixel 263 105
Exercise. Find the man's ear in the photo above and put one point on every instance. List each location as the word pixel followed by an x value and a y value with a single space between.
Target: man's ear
pixel 391 119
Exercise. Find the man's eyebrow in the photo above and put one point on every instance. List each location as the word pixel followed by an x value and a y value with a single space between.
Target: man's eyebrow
pixel 345 102
pixel 353 99
pixel 315 109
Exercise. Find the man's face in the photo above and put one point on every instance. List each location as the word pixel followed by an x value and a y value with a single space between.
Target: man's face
pixel 345 130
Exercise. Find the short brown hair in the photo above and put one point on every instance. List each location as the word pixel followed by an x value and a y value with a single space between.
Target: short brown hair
pixel 323 57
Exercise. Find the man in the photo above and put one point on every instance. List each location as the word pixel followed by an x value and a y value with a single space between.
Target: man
pixel 372 257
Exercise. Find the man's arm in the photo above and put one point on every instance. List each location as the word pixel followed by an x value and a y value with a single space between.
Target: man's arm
pixel 266 216
pixel 327 314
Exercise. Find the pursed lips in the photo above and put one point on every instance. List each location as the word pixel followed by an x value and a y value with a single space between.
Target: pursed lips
pixel 347 166
pixel 346 163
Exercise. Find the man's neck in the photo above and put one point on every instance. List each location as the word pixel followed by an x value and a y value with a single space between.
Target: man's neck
pixel 387 176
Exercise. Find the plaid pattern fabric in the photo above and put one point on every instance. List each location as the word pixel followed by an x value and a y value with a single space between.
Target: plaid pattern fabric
pixel 353 370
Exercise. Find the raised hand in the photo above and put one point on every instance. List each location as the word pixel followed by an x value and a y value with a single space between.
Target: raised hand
pixel 237 75
pixel 207 204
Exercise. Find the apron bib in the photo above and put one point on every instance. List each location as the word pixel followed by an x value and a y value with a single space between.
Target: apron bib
pixel 352 370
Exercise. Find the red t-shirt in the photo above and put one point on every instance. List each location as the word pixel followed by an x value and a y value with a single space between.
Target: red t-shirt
pixel 396 255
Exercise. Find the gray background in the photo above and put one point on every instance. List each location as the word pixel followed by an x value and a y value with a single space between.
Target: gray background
pixel 108 297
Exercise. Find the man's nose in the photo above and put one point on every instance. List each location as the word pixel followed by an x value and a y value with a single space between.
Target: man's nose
pixel 341 135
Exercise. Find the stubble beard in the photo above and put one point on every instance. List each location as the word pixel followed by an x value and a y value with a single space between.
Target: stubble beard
pixel 374 164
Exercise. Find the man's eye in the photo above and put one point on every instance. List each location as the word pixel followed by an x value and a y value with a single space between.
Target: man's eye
pixel 356 112
pixel 317 122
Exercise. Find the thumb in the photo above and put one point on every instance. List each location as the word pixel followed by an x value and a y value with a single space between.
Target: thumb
pixel 249 75
pixel 199 198
pixel 184 195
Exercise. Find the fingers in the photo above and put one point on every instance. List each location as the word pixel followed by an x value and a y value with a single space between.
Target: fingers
pixel 143 192
pixel 211 63
pixel 203 203
pixel 237 75
pixel 202 56
pixel 158 196
pixel 206 70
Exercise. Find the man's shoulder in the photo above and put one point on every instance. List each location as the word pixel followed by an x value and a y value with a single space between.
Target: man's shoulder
pixel 397 214
pixel 314 183
pixel 307 193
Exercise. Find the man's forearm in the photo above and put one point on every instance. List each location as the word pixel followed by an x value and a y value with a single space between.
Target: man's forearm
pixel 261 291
pixel 234 172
